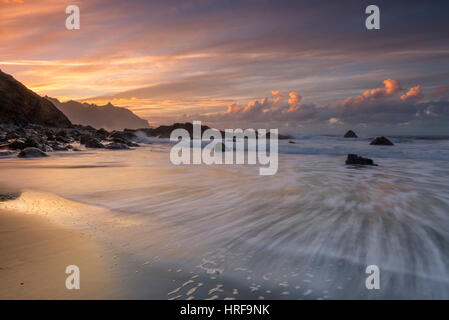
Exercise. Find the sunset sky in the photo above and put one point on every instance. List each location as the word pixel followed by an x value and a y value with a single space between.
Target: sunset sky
pixel 303 66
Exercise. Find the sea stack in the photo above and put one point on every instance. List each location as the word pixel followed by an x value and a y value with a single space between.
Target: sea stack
pixel 356 160
pixel 381 141
pixel 350 134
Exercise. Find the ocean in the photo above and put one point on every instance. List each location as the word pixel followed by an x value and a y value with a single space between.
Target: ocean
pixel 226 232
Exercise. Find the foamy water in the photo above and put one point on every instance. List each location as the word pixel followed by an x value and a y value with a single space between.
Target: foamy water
pixel 307 232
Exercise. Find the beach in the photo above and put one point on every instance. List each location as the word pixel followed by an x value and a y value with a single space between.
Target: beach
pixel 34 254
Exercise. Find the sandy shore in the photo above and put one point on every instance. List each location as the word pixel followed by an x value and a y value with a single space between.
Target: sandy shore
pixel 35 252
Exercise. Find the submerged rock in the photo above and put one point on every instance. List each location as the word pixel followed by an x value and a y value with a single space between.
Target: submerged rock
pixel 32 153
pixel 381 141
pixel 355 159
pixel 350 134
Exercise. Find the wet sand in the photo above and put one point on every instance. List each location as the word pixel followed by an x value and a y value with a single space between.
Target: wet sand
pixel 35 252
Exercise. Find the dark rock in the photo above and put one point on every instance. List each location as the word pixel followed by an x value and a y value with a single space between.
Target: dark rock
pixel 122 135
pixel 58 147
pixel 17 144
pixel 12 135
pixel 7 196
pixel 350 134
pixel 31 153
pixel 116 146
pixel 84 138
pixel 61 133
pixel 292 142
pixel 356 160
pixel 94 143
pixel 102 134
pixel 124 141
pixel 30 142
pixel 5 153
pixel 381 141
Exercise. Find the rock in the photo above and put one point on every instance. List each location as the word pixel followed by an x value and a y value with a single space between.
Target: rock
pixel 64 139
pixel 84 138
pixel 17 144
pixel 124 141
pixel 350 134
pixel 61 133
pixel 57 147
pixel 355 159
pixel 5 153
pixel 7 196
pixel 32 153
pixel 102 134
pixel 123 135
pixel 292 142
pixel 94 143
pixel 381 141
pixel 117 146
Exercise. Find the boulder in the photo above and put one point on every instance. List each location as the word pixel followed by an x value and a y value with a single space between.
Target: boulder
pixel 102 134
pixel 350 134
pixel 356 160
pixel 7 196
pixel 84 138
pixel 94 143
pixel 17 144
pixel 117 146
pixel 32 153
pixel 381 141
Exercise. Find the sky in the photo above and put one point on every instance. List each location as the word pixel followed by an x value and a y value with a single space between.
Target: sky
pixel 300 66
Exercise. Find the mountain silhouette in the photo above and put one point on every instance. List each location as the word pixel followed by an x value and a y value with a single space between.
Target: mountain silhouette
pixel 108 116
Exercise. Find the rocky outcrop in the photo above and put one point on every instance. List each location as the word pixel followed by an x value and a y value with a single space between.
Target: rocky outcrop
pixel 354 159
pixel 20 106
pixel 381 141
pixel 350 134
pixel 32 153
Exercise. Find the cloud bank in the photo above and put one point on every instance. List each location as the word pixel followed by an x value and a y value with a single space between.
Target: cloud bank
pixel 390 105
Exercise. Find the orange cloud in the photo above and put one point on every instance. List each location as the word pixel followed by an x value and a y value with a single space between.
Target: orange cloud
pixel 390 89
pixel 278 96
pixel 414 94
